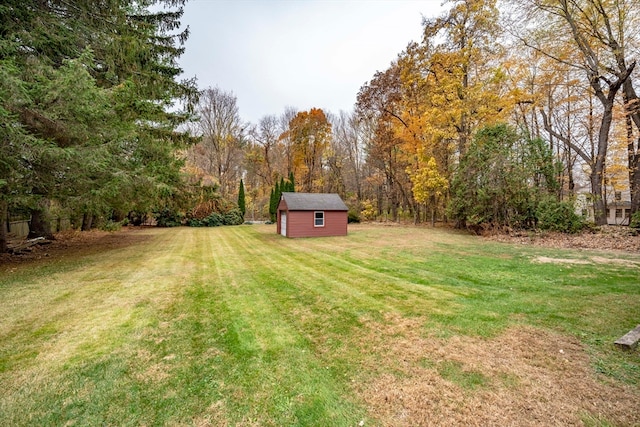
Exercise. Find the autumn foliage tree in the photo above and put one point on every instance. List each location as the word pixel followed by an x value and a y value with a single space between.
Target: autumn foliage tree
pixel 596 33
pixel 379 104
pixel 430 101
pixel 310 135
pixel 555 87
pixel 428 184
pixel 463 47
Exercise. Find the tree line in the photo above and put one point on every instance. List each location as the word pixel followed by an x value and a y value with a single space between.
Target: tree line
pixel 85 94
pixel 499 116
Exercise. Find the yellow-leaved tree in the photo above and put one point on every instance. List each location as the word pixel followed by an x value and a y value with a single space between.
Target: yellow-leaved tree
pixel 598 37
pixel 464 76
pixel 428 184
pixel 449 85
pixel 310 135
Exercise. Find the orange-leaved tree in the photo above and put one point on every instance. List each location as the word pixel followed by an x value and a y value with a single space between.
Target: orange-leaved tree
pixel 310 134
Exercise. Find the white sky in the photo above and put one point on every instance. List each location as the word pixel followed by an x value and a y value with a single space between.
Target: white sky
pixel 300 53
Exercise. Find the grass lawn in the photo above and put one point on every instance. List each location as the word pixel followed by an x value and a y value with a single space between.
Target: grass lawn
pixel 389 326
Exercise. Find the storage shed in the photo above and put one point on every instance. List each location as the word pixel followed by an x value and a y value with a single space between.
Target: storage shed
pixel 312 215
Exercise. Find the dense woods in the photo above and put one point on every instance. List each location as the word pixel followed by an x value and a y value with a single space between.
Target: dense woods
pixel 502 115
pixel 85 91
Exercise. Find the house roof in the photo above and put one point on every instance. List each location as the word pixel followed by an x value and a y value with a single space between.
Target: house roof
pixel 619 204
pixel 314 202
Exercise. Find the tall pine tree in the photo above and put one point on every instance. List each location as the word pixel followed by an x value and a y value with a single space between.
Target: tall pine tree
pixel 88 114
pixel 292 183
pixel 241 199
pixel 272 204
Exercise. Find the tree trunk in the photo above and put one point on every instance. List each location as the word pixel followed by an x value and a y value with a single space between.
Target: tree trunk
pixel 4 223
pixel 632 105
pixel 597 181
pixel 380 199
pixel 634 181
pixel 599 211
pixel 394 204
pixel 597 168
pixel 463 132
pixel 40 225
pixel 87 221
pixel 594 69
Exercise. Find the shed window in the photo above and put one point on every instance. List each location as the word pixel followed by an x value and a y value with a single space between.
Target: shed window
pixel 318 219
pixel 618 213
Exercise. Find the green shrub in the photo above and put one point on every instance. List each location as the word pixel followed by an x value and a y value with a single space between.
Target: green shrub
pixel 242 204
pixel 559 216
pixel 353 217
pixel 635 220
pixel 193 222
pixel 233 217
pixel 168 218
pixel 214 220
pixel 111 226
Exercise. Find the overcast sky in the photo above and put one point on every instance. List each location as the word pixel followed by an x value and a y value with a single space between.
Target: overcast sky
pixel 300 53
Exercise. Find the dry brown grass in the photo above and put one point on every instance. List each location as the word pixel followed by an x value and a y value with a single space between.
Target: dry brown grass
pixel 534 378
pixel 592 260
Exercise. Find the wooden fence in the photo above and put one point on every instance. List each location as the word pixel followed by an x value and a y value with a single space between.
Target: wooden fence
pixel 20 228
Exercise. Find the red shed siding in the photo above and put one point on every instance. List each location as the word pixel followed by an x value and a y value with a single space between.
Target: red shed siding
pixel 300 224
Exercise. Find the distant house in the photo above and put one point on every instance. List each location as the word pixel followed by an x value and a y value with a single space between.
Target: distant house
pixel 618 207
pixel 312 215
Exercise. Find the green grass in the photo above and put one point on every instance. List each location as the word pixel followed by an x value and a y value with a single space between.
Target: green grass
pixel 239 326
pixel 454 372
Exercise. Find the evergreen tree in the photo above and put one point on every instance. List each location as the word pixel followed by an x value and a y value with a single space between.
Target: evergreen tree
pixel 502 178
pixel 292 183
pixel 241 199
pixel 277 192
pixel 272 211
pixel 88 115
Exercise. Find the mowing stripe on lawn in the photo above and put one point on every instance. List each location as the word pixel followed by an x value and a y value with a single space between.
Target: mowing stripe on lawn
pixel 238 325
pixel 289 382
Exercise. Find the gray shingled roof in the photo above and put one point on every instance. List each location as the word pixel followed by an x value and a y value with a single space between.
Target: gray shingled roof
pixel 314 202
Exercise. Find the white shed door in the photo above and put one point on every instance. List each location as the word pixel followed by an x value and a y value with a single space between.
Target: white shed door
pixel 283 223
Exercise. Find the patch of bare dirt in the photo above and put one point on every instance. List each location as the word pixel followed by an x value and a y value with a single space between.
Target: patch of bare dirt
pixel 532 378
pixel 591 260
pixel 73 243
pixel 616 238
pixel 547 260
